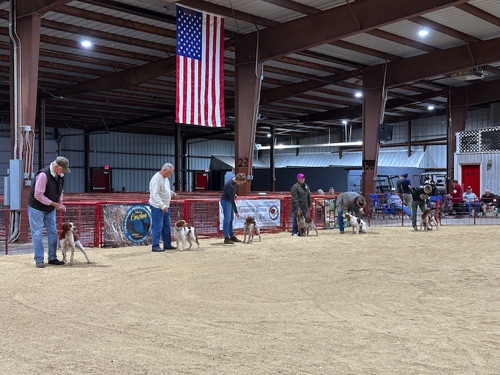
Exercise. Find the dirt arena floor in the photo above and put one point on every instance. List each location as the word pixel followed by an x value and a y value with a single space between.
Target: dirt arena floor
pixel 391 301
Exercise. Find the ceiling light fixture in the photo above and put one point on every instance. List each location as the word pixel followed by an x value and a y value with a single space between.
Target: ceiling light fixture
pixel 86 43
pixel 358 94
pixel 423 32
pixel 430 107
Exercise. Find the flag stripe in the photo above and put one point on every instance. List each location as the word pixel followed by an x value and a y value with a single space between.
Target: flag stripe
pixel 200 68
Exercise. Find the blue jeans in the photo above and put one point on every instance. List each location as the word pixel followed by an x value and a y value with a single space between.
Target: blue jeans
pixel 161 227
pixel 39 219
pixel 403 208
pixel 469 205
pixel 227 223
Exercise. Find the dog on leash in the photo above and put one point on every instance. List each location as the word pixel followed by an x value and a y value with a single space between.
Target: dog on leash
pixel 182 233
pixel 428 221
pixel 305 224
pixel 358 225
pixel 68 240
pixel 250 228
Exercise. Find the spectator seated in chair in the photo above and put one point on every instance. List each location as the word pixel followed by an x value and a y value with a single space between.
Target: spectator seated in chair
pixel 471 201
pixel 394 201
pixel 489 203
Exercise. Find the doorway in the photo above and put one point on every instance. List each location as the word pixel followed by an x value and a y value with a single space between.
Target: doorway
pixel 201 181
pixel 471 176
pixel 101 180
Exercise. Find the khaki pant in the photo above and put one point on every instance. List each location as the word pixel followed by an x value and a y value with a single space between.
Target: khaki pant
pixel 407 199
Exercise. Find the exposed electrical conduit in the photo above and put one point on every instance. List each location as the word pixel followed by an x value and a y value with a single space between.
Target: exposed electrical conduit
pixel 15 216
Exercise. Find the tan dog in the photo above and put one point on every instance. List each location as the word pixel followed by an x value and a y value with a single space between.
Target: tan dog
pixel 250 228
pixel 68 240
pixel 182 233
pixel 305 223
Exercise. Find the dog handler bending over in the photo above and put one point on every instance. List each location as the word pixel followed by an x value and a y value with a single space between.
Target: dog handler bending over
pixel 159 200
pixel 348 202
pixel 420 197
pixel 45 199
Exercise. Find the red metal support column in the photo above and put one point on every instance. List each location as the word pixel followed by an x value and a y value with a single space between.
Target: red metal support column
pixel 28 43
pixel 456 117
pixel 248 79
pixel 374 93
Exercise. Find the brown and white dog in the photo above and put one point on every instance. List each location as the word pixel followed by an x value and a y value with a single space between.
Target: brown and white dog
pixel 250 228
pixel 182 233
pixel 489 210
pixel 305 224
pixel 428 220
pixel 68 240
pixel 358 225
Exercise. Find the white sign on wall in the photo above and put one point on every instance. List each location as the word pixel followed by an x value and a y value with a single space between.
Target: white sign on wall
pixel 266 212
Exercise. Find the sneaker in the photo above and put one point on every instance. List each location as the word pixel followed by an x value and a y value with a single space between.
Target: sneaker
pixel 40 265
pixel 415 229
pixel 234 239
pixel 170 247
pixel 56 262
pixel 294 234
pixel 227 241
pixel 157 250
pixel 342 232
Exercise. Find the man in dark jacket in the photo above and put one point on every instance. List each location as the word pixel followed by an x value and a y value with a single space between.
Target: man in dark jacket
pixel 419 200
pixel 301 199
pixel 45 199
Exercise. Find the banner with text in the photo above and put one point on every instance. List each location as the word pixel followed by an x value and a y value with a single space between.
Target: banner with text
pixel 266 212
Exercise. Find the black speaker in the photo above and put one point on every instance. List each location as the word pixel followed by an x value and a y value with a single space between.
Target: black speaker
pixel 385 132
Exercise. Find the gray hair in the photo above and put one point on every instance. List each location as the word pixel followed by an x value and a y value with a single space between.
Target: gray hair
pixel 167 167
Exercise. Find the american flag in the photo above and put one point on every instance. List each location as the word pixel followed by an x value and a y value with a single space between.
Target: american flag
pixel 200 68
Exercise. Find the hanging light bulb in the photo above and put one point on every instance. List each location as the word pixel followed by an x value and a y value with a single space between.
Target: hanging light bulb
pixel 86 43
pixel 423 32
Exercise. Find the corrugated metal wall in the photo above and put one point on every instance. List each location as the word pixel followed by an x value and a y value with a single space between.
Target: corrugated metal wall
pixel 489 171
pixel 134 158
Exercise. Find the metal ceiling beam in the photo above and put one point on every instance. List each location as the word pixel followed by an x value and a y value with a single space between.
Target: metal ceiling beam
pixel 316 29
pixel 410 69
pixel 478 93
pixel 356 111
pixel 441 62
pixel 27 8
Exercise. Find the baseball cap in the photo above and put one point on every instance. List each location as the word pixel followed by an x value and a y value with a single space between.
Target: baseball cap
pixel 300 175
pixel 63 163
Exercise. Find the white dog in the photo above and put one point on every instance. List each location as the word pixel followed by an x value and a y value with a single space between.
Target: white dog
pixel 183 233
pixel 68 240
pixel 250 228
pixel 357 224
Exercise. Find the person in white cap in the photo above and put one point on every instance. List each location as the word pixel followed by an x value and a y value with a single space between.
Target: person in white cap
pixel 46 197
pixel 394 201
pixel 301 199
